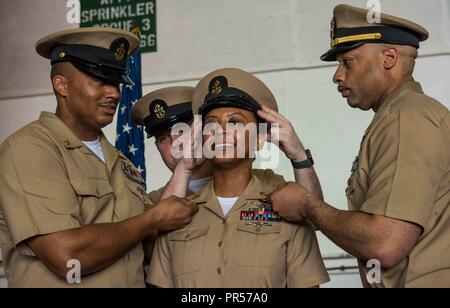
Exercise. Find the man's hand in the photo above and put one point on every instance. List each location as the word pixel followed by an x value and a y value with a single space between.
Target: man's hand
pixel 284 135
pixel 174 213
pixel 97 246
pixel 291 201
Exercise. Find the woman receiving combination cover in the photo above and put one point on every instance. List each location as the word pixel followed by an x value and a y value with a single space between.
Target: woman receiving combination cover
pixel 236 240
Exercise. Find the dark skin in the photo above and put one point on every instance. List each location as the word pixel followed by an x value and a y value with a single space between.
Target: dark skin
pixel 86 105
pixel 284 136
pixel 290 144
pixel 366 236
pixel 373 66
pixel 363 235
pixel 232 175
pixel 99 245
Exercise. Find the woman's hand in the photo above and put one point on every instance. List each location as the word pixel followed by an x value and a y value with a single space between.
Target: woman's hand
pixel 283 134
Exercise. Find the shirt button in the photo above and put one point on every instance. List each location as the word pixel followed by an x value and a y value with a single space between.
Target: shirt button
pixel 220 244
pixel 219 271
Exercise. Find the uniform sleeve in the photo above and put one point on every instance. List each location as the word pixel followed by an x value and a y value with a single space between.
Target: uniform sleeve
pixel 405 168
pixel 155 196
pixel 160 272
pixel 36 197
pixel 305 267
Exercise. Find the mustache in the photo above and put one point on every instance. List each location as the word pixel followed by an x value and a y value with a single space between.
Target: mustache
pixel 110 102
pixel 342 88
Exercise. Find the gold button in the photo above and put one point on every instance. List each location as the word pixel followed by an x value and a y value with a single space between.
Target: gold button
pixel 66 143
pixel 62 54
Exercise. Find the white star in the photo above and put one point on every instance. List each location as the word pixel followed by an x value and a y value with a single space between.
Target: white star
pixel 133 150
pixel 126 128
pixel 134 102
pixel 132 60
pixel 122 110
pixel 140 169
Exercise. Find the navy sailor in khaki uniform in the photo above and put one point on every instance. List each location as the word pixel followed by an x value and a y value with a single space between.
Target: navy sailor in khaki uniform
pixel 158 112
pixel 236 239
pixel 398 192
pixel 66 194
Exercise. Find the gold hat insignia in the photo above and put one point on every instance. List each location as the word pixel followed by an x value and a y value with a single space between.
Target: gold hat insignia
pixel 120 52
pixel 217 87
pixel 159 111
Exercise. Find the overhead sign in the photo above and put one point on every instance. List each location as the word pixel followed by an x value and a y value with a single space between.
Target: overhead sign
pixel 123 14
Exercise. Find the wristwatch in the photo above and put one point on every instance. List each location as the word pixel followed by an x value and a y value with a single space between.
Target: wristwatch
pixel 304 164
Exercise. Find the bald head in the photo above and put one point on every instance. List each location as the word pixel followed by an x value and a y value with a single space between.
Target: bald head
pixel 408 56
pixel 399 60
pixel 368 74
pixel 62 68
pixel 60 72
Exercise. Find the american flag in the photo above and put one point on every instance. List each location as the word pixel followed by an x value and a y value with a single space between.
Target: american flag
pixel 130 137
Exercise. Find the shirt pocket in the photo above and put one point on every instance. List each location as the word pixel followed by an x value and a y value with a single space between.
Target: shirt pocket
pixel 357 186
pixel 94 195
pixel 351 182
pixel 259 246
pixel 187 249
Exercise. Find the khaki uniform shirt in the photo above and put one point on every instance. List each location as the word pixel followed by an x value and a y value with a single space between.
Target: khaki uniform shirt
pixel 403 172
pixel 223 251
pixel 51 182
pixel 156 195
